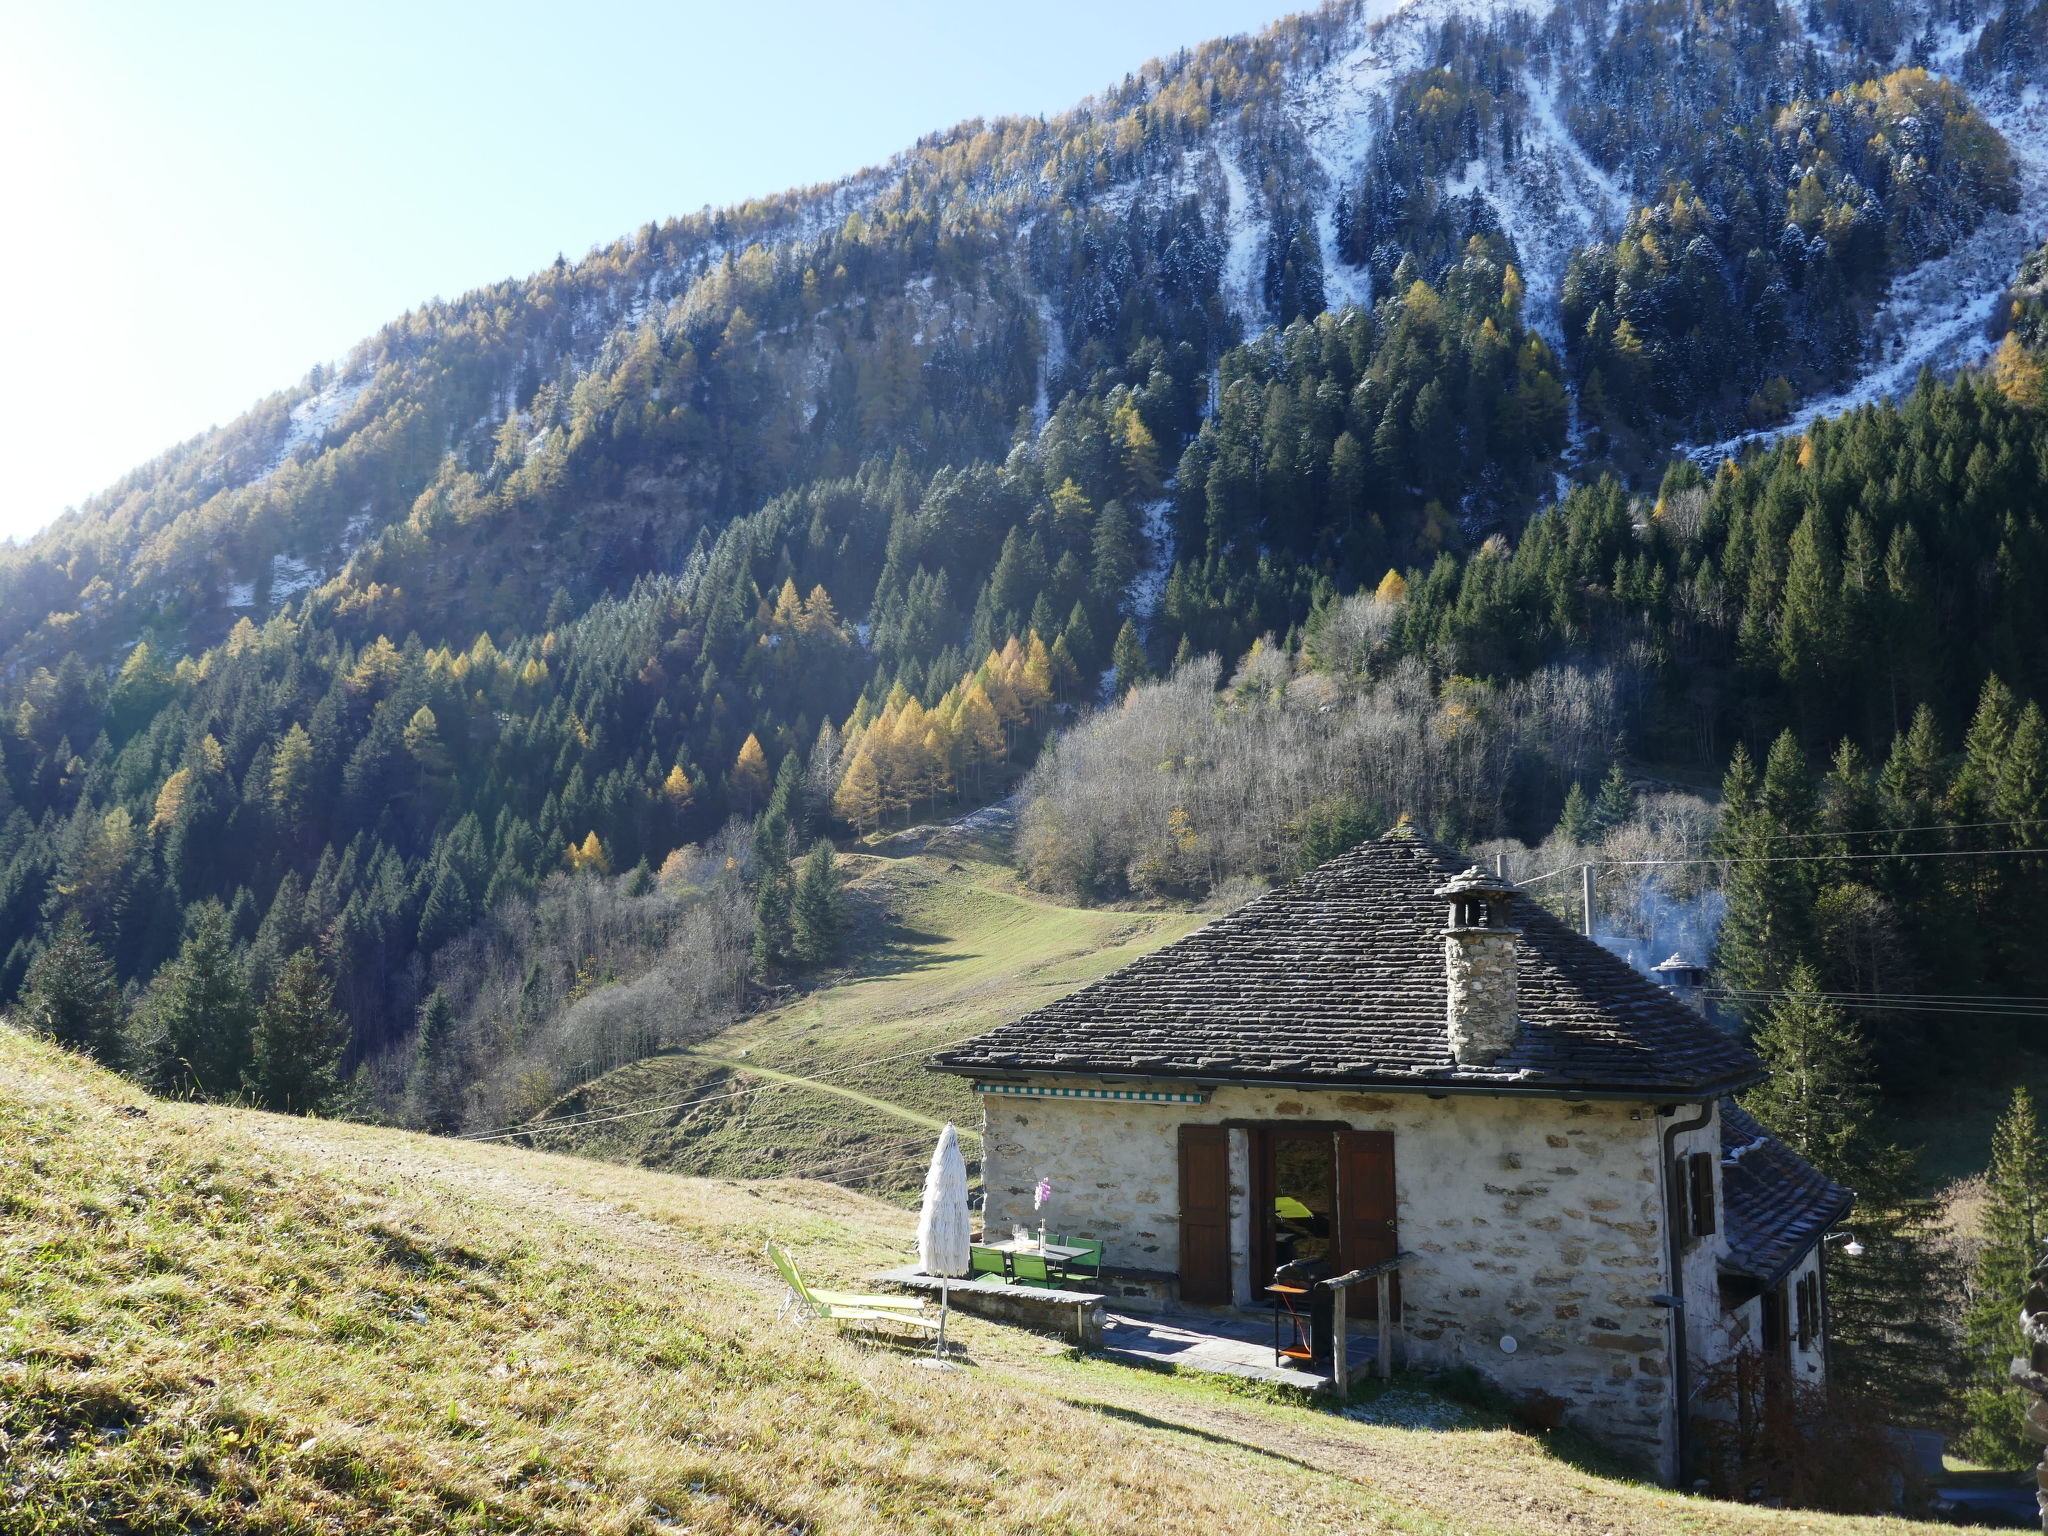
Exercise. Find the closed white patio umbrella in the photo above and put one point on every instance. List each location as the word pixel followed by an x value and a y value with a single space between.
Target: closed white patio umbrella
pixel 942 1233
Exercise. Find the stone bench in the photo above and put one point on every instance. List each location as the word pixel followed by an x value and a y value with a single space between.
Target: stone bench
pixel 1075 1315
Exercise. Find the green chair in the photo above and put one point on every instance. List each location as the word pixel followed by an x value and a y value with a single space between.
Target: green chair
pixel 991 1262
pixel 843 1307
pixel 1088 1265
pixel 1032 1269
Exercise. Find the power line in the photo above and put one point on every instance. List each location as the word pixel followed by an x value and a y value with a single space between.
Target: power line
pixel 904 1156
pixel 1782 858
pixel 1827 858
pixel 1946 826
pixel 1899 1004
pixel 1885 996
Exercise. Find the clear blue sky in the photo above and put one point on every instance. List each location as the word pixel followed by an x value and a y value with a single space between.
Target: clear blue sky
pixel 202 199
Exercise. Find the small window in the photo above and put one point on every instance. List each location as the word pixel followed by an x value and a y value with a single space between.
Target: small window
pixel 1702 1201
pixel 1776 1336
pixel 1808 1297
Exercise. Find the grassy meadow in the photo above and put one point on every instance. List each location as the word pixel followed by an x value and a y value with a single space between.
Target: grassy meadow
pixel 953 946
pixel 218 1320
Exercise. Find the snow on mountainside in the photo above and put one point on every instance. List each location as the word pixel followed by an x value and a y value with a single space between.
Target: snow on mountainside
pixel 1057 228
pixel 1939 315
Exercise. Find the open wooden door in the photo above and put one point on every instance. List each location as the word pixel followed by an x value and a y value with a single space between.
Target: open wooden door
pixel 1365 1211
pixel 1205 1215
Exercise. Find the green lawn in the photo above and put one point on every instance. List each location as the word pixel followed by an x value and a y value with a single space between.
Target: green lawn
pixel 953 946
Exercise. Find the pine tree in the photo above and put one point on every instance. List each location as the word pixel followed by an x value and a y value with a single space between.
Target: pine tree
pixel 1128 658
pixel 1576 824
pixel 771 947
pixel 2022 802
pixel 300 1036
pixel 1616 802
pixel 72 994
pixel 816 920
pixel 434 1081
pixel 1889 1305
pixel 1767 929
pixel 788 795
pixel 196 1023
pixel 1115 552
pixel 1817 1099
pixel 2015 1227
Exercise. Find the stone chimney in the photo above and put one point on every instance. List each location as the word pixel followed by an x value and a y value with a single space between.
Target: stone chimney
pixel 1484 1005
pixel 1685 981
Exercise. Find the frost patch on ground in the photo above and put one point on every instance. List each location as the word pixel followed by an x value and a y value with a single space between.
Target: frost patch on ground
pixel 1052 358
pixel 288 578
pixel 1409 1410
pixel 1149 585
pixel 1245 232
pixel 313 418
pixel 1332 107
pixel 1550 201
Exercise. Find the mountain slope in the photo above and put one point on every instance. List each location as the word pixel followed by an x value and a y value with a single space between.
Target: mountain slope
pixel 962 950
pixel 835 508
pixel 923 304
pixel 204 1308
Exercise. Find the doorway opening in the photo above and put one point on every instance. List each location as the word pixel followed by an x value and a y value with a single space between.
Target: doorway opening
pixel 1296 1201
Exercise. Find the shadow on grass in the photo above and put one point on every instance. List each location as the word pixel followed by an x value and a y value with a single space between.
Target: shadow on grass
pixel 1174 1426
pixel 1484 1409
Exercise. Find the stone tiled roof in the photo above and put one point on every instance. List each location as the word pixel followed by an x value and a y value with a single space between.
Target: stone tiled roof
pixel 1775 1205
pixel 1338 977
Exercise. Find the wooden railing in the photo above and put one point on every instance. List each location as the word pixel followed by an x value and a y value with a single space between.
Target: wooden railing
pixel 1382 1274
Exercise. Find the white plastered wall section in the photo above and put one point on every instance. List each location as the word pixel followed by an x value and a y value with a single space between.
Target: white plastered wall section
pixel 1706 1323
pixel 1538 1219
pixel 1744 1325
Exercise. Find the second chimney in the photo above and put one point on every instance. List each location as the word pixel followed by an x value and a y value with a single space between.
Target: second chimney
pixel 1483 1009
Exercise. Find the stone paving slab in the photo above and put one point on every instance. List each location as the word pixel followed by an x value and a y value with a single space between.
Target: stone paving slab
pixel 1225 1346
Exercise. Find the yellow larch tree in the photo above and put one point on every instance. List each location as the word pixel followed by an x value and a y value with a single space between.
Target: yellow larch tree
pixel 677 789
pixel 589 855
pixel 750 774
pixel 858 799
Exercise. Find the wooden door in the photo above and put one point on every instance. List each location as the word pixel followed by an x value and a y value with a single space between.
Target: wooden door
pixel 1365 1211
pixel 1205 1215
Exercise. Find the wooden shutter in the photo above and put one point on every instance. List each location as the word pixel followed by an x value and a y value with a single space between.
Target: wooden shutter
pixel 1681 1197
pixel 1205 1215
pixel 1365 1211
pixel 1809 1311
pixel 1702 1193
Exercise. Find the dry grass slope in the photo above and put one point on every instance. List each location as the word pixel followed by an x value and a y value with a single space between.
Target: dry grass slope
pixel 216 1320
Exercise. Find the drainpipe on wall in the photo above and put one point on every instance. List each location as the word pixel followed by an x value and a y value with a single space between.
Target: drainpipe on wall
pixel 1681 1356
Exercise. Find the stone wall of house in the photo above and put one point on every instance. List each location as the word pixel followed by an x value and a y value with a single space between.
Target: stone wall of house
pixel 1535 1219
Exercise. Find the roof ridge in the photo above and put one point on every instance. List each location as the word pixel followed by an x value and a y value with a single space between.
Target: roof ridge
pixel 1339 975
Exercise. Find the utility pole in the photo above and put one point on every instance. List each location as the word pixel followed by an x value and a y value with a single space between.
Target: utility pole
pixel 1586 890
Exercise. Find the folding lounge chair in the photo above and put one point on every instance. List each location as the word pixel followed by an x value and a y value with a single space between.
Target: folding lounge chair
pixel 844 1307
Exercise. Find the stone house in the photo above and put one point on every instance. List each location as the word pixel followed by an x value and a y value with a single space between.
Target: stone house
pixel 1396 1053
